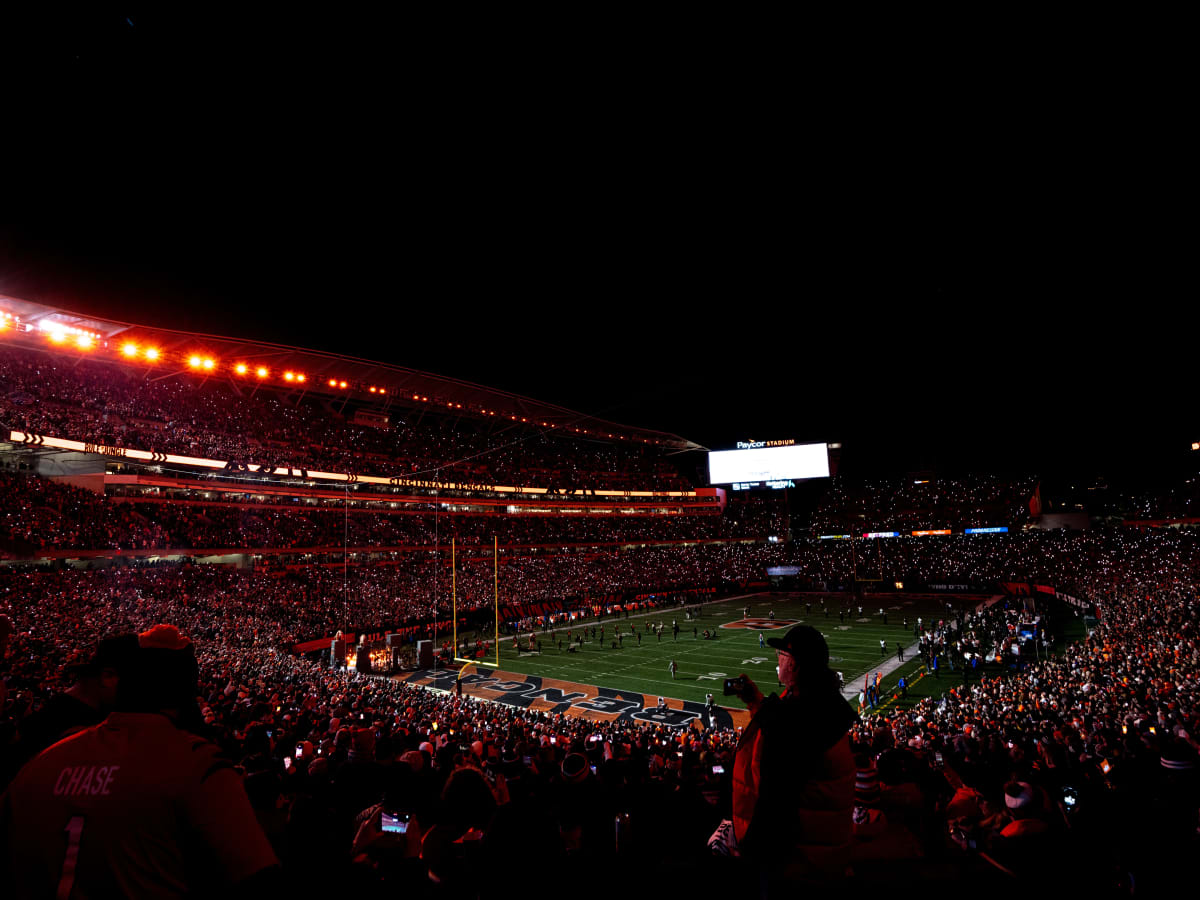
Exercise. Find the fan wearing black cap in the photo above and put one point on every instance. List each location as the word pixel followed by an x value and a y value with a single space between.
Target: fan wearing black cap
pixel 793 775
pixel 86 702
pixel 134 806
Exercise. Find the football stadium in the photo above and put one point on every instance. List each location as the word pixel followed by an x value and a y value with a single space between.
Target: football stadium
pixel 281 619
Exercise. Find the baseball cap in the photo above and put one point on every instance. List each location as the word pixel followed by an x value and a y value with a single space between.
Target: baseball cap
pixel 805 643
pixel 1018 795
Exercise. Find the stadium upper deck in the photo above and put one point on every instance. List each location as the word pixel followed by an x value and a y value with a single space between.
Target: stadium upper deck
pixel 358 383
pixel 129 391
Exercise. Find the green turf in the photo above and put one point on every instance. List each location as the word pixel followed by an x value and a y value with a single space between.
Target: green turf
pixel 853 647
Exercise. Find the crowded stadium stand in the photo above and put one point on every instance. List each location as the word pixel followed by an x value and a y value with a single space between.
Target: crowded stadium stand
pixel 270 502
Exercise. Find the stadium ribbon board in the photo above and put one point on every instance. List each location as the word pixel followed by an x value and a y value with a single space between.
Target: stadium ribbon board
pixel 588 701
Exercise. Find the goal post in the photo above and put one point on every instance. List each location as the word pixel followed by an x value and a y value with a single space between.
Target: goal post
pixel 495 664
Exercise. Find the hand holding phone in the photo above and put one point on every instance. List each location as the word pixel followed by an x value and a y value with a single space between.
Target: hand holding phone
pixel 394 822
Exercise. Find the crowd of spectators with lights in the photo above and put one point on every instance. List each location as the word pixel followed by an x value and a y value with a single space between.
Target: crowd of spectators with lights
pixel 37 514
pixel 916 503
pixel 51 394
pixel 45 514
pixel 360 737
pixel 1030 758
pixel 990 767
pixel 1096 741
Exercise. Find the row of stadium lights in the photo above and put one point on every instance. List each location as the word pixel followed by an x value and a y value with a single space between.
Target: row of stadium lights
pixel 60 334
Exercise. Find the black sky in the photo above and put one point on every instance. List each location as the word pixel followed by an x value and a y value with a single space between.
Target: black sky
pixel 932 267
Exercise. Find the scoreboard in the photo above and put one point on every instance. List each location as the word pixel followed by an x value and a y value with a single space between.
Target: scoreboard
pixel 767 464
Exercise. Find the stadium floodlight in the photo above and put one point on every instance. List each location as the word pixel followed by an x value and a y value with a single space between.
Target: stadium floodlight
pixel 151 354
pixel 83 341
pixel 240 368
pixel 289 376
pixel 261 372
pixel 130 350
pixel 58 335
pixel 341 384
pixel 300 376
pixel 207 364
pixel 195 361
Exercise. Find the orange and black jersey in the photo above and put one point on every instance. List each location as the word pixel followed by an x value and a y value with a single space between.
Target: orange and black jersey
pixel 130 807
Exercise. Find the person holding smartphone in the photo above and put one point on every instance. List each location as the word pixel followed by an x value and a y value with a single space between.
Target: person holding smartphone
pixel 793 772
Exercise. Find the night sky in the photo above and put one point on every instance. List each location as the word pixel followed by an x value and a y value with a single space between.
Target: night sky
pixel 938 275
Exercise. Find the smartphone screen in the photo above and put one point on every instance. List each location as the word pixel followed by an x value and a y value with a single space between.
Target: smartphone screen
pixel 718 770
pixel 395 823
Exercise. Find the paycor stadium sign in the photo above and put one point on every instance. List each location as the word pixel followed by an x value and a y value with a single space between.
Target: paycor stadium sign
pixel 755 445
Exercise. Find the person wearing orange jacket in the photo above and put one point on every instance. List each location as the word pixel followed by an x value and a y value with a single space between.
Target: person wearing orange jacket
pixel 793 773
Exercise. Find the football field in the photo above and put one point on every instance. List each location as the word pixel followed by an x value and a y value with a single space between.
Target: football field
pixel 644 665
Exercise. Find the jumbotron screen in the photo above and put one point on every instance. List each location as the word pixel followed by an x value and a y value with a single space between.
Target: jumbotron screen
pixel 757 465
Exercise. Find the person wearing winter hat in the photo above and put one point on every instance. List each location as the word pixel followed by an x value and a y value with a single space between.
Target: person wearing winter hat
pixel 136 796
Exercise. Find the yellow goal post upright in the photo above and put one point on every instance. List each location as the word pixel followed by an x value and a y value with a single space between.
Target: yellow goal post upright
pixel 855 578
pixel 495 605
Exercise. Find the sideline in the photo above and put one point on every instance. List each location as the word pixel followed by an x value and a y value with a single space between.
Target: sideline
pixel 850 691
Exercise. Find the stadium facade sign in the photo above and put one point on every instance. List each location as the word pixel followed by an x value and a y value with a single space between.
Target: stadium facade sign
pixel 755 445
pixel 270 469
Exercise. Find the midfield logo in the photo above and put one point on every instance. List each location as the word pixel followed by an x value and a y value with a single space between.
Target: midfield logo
pixel 762 624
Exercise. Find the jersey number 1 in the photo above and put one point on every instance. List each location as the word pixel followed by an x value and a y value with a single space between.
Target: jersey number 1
pixel 74 831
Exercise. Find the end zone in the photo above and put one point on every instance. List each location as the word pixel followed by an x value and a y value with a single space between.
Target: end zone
pixel 587 701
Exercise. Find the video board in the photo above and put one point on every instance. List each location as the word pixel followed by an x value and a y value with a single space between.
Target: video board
pixel 758 464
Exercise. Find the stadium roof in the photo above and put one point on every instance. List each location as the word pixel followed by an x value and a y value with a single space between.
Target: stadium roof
pixel 379 386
